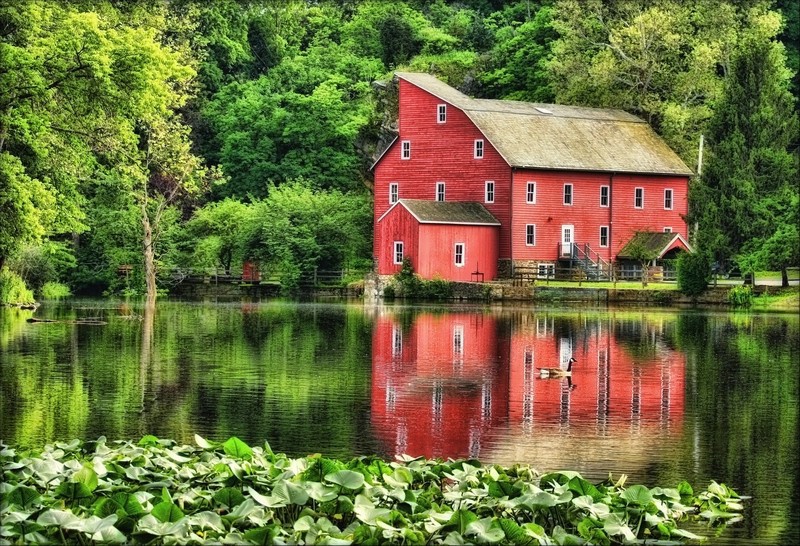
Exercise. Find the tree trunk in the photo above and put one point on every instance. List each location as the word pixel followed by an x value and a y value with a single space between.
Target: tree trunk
pixel 784 277
pixel 149 257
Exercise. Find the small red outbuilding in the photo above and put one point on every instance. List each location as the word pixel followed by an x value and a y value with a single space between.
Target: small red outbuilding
pixel 446 239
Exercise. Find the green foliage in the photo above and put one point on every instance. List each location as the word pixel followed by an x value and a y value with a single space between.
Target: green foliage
pixel 55 291
pixel 297 230
pixel 747 205
pixel 13 289
pixel 44 263
pixel 741 296
pixel 408 284
pixel 277 505
pixel 694 272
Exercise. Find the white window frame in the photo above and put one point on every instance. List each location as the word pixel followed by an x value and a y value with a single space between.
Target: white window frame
pixel 530 234
pixel 489 194
pixel 459 254
pixel 441 113
pixel 638 198
pixel 606 197
pixel 570 195
pixel 478 148
pixel 398 253
pixel 440 191
pixel 546 270
pixel 667 229
pixel 530 192
pixel 669 198
pixel 405 149
pixel 394 192
pixel 603 235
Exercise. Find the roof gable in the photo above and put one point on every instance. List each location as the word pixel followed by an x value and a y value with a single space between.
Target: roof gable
pixel 446 212
pixel 554 136
pixel 655 243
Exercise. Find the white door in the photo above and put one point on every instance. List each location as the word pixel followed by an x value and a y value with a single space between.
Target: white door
pixel 567 238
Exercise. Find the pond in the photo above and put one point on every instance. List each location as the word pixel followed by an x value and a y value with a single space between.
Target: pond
pixel 661 395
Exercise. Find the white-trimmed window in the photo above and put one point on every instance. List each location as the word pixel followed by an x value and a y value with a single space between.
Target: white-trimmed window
pixel 604 236
pixel 546 271
pixel 394 192
pixel 405 149
pixel 398 252
pixel 441 113
pixel 490 191
pixel 530 193
pixel 530 234
pixel 605 191
pixel 638 198
pixel 479 148
pixel 667 230
pixel 668 199
pixel 459 255
pixel 440 191
pixel 568 194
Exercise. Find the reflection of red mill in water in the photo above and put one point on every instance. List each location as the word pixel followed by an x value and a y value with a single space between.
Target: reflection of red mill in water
pixel 442 382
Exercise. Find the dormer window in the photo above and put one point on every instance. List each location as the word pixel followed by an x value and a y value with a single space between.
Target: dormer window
pixel 479 149
pixel 405 150
pixel 441 113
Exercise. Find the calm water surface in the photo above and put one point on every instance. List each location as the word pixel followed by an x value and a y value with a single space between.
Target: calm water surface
pixel 659 395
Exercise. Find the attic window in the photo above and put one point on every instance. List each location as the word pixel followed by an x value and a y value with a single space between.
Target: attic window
pixel 441 113
pixel 479 149
pixel 543 110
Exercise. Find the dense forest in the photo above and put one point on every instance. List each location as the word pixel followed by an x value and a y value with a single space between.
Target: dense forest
pixel 184 133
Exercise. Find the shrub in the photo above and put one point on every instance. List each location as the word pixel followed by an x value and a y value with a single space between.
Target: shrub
pixel 694 273
pixel 741 296
pixel 13 289
pixel 55 291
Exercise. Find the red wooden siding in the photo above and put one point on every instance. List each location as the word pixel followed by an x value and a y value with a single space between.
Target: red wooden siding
pixel 549 213
pixel 441 152
pixel 653 217
pixel 431 247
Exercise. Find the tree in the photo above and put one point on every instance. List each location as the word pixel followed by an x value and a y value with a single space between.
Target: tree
pixel 746 204
pixel 664 61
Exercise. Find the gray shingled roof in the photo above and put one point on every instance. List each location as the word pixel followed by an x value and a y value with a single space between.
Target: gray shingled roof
pixel 553 136
pixel 655 242
pixel 449 212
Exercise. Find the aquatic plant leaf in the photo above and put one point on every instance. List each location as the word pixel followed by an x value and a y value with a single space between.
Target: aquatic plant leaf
pixel 498 489
pixel 460 520
pixel 485 530
pixel 166 512
pixel 60 518
pixel 320 492
pixel 148 440
pixel 582 487
pixel 347 479
pixel 262 535
pixel 290 493
pixel 261 499
pixel 229 496
pixel 203 443
pixel 514 534
pixel 23 496
pixel 86 476
pixel 207 520
pixel 237 448
pixel 73 491
pixel 638 494
pixel 616 526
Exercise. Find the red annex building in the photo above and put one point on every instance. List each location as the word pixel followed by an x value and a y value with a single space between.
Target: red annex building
pixel 484 186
